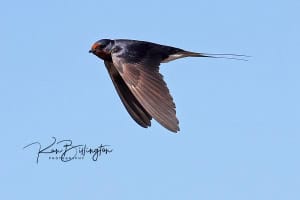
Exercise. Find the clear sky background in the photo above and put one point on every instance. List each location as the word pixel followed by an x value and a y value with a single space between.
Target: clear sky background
pixel 240 133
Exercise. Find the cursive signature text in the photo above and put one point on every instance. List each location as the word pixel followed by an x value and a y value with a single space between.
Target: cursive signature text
pixel 66 151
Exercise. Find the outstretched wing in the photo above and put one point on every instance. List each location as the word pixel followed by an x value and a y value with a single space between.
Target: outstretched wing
pixel 132 105
pixel 147 85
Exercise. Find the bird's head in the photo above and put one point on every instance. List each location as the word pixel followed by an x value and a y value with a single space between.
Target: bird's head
pixel 102 49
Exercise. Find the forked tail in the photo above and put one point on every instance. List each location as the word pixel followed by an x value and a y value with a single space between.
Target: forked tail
pixel 216 55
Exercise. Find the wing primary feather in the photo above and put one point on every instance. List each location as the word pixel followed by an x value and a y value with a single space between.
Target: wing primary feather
pixel 166 120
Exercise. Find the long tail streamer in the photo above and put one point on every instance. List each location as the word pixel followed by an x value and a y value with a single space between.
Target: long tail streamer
pixel 226 56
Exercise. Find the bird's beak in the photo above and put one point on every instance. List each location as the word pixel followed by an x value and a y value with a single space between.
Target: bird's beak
pixel 91 51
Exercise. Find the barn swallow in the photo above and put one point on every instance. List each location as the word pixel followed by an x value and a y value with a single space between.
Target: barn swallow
pixel 133 67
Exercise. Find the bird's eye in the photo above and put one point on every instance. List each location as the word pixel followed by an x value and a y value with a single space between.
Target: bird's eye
pixel 116 49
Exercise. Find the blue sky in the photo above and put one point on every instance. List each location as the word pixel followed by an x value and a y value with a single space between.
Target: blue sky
pixel 239 121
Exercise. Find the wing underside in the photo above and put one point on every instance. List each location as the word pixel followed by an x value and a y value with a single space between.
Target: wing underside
pixel 150 90
pixel 132 105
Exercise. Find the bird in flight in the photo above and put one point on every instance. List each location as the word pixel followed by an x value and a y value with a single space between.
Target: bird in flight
pixel 133 67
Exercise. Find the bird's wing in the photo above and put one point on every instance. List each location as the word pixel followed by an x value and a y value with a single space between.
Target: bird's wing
pixel 132 105
pixel 147 85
